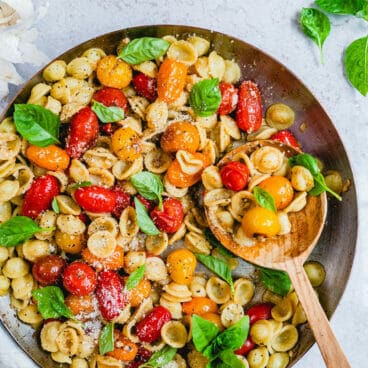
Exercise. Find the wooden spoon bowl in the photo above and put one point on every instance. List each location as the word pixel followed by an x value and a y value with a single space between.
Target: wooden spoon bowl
pixel 288 253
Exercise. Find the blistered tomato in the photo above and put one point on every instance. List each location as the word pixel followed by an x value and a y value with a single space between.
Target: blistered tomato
pixel 170 217
pixel 200 305
pixel 260 221
pixel 145 86
pixel 181 264
pixel 286 137
pixel 124 349
pixel 229 98
pixel 48 269
pixel 96 199
pixel 234 175
pixel 259 311
pixel 79 279
pixel 280 188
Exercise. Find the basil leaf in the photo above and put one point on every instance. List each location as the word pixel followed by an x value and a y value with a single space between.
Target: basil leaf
pixel 148 185
pixel 230 359
pixel 81 184
pixel 217 363
pixel 316 26
pixel 218 267
pixel 205 97
pixel 231 339
pixel 216 244
pixel 160 358
pixel 143 49
pixel 107 114
pixel 135 277
pixel 276 281
pixel 264 199
pixel 50 302
pixel 18 230
pixel 203 332
pixel 106 340
pixel 356 64
pixel 144 221
pixel 39 126
pixel 55 206
pixel 358 8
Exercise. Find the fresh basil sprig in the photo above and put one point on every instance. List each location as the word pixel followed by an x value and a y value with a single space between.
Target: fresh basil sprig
pixel 148 186
pixel 203 332
pixel 81 184
pixel 50 302
pixel 217 266
pixel 230 359
pixel 107 114
pixel 55 206
pixel 135 277
pixel 160 358
pixel 358 8
pixel 106 340
pixel 316 26
pixel 310 163
pixel 216 244
pixel 205 97
pixel 144 221
pixel 231 339
pixel 264 199
pixel 356 64
pixel 17 230
pixel 39 126
pixel 276 281
pixel 143 49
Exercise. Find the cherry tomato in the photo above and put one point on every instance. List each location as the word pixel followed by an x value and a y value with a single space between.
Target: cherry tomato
pixel 259 311
pixel 124 349
pixel 149 205
pixel 109 293
pixel 127 144
pixel 149 328
pixel 145 86
pixel 51 157
pixel 96 199
pixel 48 269
pixel 286 137
pixel 200 305
pixel 280 189
pixel 229 98
pixel 114 72
pixel 112 262
pixel 83 132
pixel 111 97
pixel 249 109
pixel 108 128
pixel 79 278
pixel 234 175
pixel 142 356
pixel 171 80
pixel 80 304
pixel 136 295
pixel 260 221
pixel 181 264
pixel 39 196
pixel 170 217
pixel 246 348
pixel 122 201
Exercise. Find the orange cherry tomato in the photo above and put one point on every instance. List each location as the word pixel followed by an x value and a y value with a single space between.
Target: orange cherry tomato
pixel 114 72
pixel 260 221
pixel 214 318
pixel 124 349
pixel 112 262
pixel 126 144
pixel 200 305
pixel 180 179
pixel 180 136
pixel 171 80
pixel 80 304
pixel 281 190
pixel 51 157
pixel 181 264
pixel 140 292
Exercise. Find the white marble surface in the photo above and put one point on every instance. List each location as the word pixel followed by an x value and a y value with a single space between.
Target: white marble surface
pixel 272 26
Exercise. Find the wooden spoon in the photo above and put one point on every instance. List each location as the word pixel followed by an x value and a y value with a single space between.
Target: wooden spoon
pixel 288 253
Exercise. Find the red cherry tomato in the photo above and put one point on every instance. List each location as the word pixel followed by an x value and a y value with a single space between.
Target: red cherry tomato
pixel 286 137
pixel 234 175
pixel 111 97
pixel 229 98
pixel 108 128
pixel 246 348
pixel 149 328
pixel 79 279
pixel 39 196
pixel 48 269
pixel 259 311
pixel 142 356
pixel 109 293
pixel 170 218
pixel 96 199
pixel 122 201
pixel 145 86
pixel 249 109
pixel 150 205
pixel 83 132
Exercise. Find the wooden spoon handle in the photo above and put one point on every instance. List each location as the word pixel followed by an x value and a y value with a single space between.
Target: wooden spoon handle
pixel 326 340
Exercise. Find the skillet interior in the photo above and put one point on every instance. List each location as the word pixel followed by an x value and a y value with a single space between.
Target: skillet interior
pixel 336 247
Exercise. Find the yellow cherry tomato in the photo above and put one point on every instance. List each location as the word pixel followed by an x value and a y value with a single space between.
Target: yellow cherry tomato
pixel 281 190
pixel 126 144
pixel 260 221
pixel 114 72
pixel 181 264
